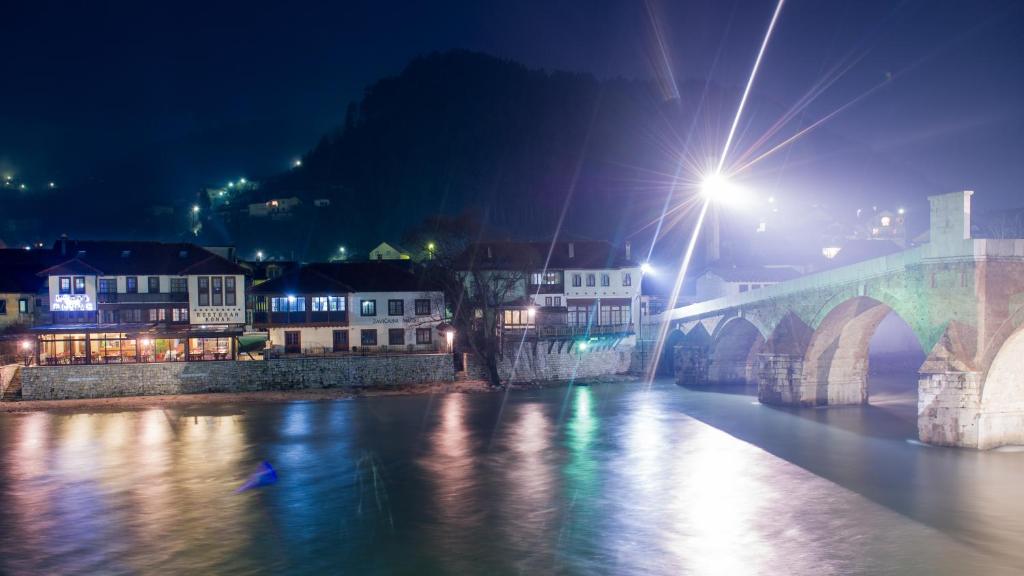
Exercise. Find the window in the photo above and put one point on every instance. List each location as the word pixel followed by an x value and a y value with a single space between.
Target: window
pixel 518 317
pixel 579 315
pixel 591 280
pixel 755 286
pixel 204 290
pixel 22 305
pixel 229 291
pixel 368 337
pixel 396 307
pixel 153 284
pixel 108 316
pixel 64 284
pixel 606 280
pixel 131 315
pixel 319 303
pixel 218 290
pixel 423 336
pixel 744 287
pixel 558 300
pixel 107 286
pixel 548 301
pixel 627 279
pixel 546 278
pixel 157 314
pixel 613 315
pixel 368 308
pixel 131 284
pixel 179 285
pixel 3 307
pixel 340 338
pixel 292 342
pixel 422 307
pixel 179 315
pixel 577 280
pixel 396 336
pixel 287 304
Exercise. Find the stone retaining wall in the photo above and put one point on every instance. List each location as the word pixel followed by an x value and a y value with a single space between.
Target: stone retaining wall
pixel 102 381
pixel 536 363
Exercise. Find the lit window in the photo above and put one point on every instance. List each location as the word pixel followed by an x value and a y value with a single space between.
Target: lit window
pixel 368 308
pixel 886 221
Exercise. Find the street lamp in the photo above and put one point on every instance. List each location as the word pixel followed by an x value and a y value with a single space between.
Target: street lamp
pixel 297 163
pixel 259 255
pixel 26 350
pixel 195 208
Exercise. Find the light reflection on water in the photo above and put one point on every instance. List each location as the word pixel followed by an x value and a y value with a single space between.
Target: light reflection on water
pixel 606 479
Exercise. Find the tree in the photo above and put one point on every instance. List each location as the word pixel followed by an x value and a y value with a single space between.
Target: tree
pixel 478 280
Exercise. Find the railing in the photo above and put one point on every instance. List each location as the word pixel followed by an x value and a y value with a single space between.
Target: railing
pixel 566 330
pixel 304 317
pixel 326 352
pixel 141 297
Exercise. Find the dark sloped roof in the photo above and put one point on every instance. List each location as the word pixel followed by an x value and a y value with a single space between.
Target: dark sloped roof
pixel 137 258
pixel 19 270
pixel 327 277
pixel 530 255
pixel 755 273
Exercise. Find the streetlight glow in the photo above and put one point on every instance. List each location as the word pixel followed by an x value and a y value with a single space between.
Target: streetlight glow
pixel 195 208
pixel 297 163
pixel 259 255
pixel 719 189
pixel 646 268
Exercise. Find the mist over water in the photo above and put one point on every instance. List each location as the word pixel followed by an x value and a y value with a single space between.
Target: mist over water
pixel 602 479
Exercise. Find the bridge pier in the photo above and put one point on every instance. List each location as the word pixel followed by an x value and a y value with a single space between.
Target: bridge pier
pixel 780 379
pixel 691 365
pixel 949 408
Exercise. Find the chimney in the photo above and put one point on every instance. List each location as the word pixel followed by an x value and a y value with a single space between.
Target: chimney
pixel 572 249
pixel 63 244
pixel 629 251
pixel 950 224
pixel 490 255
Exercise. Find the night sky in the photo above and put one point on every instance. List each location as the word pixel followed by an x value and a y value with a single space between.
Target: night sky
pixel 166 97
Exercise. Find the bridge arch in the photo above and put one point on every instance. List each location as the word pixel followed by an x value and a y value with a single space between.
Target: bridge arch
pixel 1001 418
pixel 732 358
pixel 835 365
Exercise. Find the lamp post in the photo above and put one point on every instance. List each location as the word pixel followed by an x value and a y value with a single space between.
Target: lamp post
pixel 26 351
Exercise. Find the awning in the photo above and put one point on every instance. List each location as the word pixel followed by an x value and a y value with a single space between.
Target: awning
pixel 151 330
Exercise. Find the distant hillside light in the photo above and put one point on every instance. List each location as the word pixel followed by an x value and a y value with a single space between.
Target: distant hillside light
pixel 297 163
pixel 52 185
pixel 901 211
pixel 22 186
pixel 241 180
pixel 195 208
pixel 259 255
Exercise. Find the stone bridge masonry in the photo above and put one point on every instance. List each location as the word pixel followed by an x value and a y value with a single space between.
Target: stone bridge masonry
pixel 805 342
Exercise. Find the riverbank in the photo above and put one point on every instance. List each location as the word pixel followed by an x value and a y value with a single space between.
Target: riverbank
pixel 276 396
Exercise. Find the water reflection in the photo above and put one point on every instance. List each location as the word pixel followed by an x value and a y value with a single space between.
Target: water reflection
pixel 628 483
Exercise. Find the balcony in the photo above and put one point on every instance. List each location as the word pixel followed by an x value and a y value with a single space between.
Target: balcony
pixel 566 331
pixel 306 317
pixel 142 298
pixel 546 288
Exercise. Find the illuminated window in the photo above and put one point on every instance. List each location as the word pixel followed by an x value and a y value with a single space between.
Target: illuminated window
pixel 22 305
pixel 131 284
pixel 830 252
pixel 368 308
pixel 886 221
pixel 79 284
pixel 64 284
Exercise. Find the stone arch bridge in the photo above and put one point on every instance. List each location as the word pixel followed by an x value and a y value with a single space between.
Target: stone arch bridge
pixel 805 342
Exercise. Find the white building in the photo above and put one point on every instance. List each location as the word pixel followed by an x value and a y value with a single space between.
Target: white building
pixel 727 281
pixel 341 307
pixel 141 302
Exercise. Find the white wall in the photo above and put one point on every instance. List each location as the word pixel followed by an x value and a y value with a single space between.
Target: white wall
pixel 216 314
pixel 311 337
pixel 614 290
pixel 60 303
pixel 382 322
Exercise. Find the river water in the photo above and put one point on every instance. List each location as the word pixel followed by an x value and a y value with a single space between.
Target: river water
pixel 601 479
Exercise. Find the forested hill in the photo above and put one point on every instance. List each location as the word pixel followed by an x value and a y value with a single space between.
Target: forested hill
pixel 460 131
pixel 463 130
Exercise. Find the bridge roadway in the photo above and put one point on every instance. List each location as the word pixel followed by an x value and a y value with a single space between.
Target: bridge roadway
pixel 804 342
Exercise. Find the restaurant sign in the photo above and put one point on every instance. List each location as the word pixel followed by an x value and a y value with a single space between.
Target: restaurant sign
pixel 72 303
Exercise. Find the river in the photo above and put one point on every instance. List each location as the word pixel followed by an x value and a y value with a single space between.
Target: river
pixel 601 479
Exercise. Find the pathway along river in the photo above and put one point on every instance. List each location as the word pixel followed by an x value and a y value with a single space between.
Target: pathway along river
pixel 606 479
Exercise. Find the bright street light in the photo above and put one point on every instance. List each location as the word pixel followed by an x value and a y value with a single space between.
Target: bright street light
pixel 259 255
pixel 242 180
pixel 717 188
pixel 297 163
pixel 195 208
pixel 52 185
pixel 646 268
